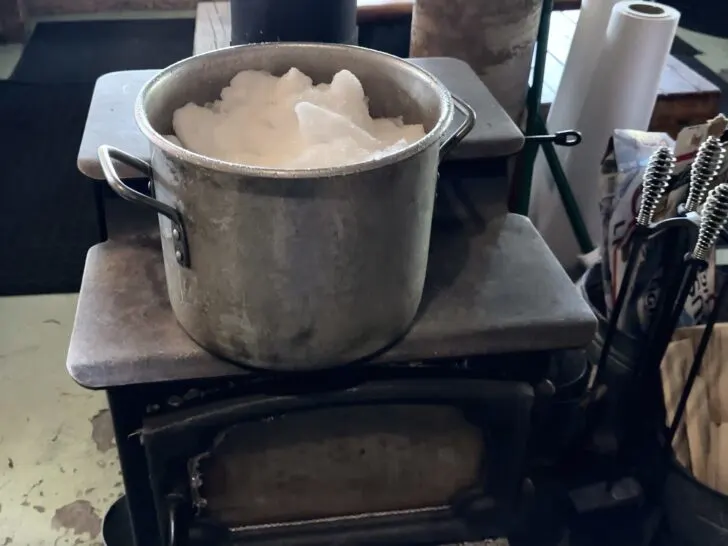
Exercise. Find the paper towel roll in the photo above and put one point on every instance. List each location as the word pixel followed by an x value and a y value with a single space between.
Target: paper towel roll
pixel 621 95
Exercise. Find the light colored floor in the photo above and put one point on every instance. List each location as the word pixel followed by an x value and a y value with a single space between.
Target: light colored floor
pixel 58 466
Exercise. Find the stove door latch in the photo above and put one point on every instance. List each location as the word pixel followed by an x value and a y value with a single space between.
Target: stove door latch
pixel 177 520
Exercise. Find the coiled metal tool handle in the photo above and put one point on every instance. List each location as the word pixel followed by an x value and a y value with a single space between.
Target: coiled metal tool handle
pixel 654 183
pixel 715 217
pixel 704 170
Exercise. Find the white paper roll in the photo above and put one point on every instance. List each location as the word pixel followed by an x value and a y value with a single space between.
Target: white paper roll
pixel 580 63
pixel 587 44
pixel 621 95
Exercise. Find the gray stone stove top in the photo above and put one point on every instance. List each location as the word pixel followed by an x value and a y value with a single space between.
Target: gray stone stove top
pixel 111 116
pixel 492 287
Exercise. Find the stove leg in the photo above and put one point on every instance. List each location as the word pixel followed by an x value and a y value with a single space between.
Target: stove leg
pixel 127 410
pixel 100 210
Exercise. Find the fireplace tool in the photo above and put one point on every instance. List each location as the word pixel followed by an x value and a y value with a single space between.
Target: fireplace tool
pixel 712 222
pixel 714 219
pixel 678 284
pixel 704 170
pixel 675 291
pixel 683 231
pixel 655 182
pixel 617 490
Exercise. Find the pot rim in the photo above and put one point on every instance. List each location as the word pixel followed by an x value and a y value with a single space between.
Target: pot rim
pixel 431 137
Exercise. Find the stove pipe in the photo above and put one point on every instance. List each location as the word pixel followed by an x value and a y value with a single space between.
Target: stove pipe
pixel 330 21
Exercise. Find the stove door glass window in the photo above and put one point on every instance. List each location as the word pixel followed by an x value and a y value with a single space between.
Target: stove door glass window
pixel 340 461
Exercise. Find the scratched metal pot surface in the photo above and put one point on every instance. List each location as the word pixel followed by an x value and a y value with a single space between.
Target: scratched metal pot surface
pixel 293 269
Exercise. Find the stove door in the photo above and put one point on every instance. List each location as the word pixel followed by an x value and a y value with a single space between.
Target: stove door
pixel 387 462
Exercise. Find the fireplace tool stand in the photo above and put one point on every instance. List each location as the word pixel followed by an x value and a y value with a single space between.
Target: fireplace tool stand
pixel 693 236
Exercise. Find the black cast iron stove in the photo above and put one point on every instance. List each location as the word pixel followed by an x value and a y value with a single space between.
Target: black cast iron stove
pixel 426 444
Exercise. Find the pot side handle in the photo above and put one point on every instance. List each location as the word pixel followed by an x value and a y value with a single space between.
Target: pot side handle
pixel 107 156
pixel 465 127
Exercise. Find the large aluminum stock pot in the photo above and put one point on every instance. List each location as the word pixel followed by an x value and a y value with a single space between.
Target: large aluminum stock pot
pixel 293 269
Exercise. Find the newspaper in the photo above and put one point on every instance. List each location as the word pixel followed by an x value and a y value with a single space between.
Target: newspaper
pixel 622 172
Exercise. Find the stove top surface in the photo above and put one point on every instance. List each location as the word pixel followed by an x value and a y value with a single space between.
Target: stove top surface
pixel 111 116
pixel 492 288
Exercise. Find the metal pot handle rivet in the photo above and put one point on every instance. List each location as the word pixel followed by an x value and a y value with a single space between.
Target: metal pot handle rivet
pixel 465 127
pixel 107 156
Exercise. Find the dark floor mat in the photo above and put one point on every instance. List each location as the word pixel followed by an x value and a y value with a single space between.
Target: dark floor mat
pixel 83 51
pixel 704 16
pixel 48 214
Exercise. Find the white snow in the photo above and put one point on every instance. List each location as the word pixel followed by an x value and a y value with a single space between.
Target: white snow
pixel 288 122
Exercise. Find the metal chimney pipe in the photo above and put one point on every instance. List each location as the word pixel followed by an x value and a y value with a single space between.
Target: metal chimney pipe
pixel 328 21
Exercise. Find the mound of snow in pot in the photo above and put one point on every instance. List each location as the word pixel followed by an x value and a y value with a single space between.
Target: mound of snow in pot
pixel 288 122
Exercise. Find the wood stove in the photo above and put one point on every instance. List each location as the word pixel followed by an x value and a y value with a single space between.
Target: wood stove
pixel 427 443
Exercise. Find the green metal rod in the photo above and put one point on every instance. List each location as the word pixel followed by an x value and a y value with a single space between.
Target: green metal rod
pixel 567 197
pixel 522 194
